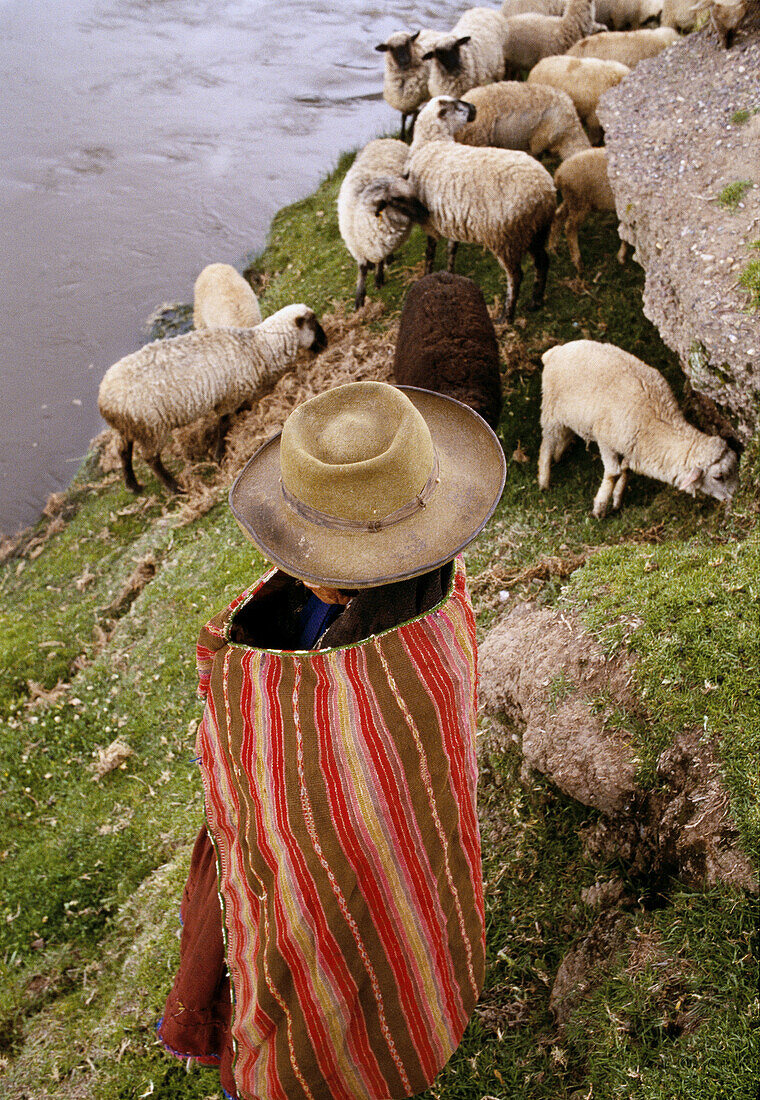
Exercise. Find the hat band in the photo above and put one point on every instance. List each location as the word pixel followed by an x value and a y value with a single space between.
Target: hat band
pixel 337 523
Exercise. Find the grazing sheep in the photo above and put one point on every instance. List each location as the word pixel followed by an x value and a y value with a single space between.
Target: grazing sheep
pixel 584 184
pixel 531 36
pixel 543 7
pixel 626 15
pixel 585 79
pixel 628 47
pixel 604 394
pixel 725 17
pixel 371 235
pixel 224 299
pixel 498 198
pixel 470 55
pixel 170 383
pixel 446 342
pixel 405 82
pixel 533 117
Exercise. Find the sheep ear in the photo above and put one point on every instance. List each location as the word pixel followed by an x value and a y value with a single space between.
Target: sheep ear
pixel 414 37
pixel 382 47
pixel 693 478
pixel 300 321
pixel 462 41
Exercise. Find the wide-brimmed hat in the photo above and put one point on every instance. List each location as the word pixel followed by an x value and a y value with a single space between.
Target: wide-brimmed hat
pixel 370 483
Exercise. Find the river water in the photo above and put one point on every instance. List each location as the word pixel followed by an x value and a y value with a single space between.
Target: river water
pixel 141 140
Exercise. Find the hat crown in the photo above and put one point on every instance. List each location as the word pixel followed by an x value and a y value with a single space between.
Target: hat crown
pixel 356 453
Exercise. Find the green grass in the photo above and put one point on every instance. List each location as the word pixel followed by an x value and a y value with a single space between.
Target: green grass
pixel 738 118
pixel 750 278
pixel 733 193
pixel 87 957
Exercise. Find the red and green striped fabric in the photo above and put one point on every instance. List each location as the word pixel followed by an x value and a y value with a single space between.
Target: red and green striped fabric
pixel 340 795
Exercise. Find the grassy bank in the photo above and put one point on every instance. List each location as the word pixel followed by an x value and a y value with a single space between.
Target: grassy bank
pixel 101 606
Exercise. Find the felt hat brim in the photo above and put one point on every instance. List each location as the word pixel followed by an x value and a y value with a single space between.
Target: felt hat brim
pixel 472 470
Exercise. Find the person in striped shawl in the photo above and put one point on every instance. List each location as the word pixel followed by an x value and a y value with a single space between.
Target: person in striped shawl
pixel 333 923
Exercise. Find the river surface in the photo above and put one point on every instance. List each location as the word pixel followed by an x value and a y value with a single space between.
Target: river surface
pixel 139 141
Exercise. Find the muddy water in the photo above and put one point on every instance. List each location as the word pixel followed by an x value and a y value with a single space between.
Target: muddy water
pixel 140 140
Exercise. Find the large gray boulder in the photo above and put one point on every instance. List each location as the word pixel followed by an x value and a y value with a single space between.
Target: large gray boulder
pixel 679 130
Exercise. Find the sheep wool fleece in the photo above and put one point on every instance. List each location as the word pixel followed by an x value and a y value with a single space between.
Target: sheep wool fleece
pixel 340 789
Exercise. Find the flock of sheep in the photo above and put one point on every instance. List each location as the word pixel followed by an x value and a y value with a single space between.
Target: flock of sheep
pixel 470 173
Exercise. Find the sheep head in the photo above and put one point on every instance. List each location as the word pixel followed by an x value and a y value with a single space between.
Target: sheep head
pixel 441 118
pixel 446 53
pixel 399 45
pixel 719 479
pixel 310 333
pixel 395 197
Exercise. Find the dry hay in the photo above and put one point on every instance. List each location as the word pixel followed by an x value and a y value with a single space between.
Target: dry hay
pixel 110 758
pixel 353 353
pixel 486 585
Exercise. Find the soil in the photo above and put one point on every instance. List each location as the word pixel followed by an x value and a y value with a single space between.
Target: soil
pixel 675 141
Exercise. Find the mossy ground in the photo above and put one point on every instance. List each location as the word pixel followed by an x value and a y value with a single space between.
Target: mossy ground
pixel 91 870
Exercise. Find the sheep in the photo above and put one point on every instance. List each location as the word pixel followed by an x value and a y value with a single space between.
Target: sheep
pixel 623 15
pixel 531 36
pixel 405 82
pixel 447 343
pixel 584 184
pixel 544 7
pixel 371 236
pixel 629 47
pixel 501 199
pixel 224 299
pixel 605 394
pixel 725 17
pixel 170 383
pixel 533 117
pixel 680 14
pixel 585 79
pixel 470 55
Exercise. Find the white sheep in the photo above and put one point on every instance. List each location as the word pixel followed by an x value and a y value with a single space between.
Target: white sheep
pixel 470 55
pixel 371 236
pixel 602 393
pixel 544 7
pixel 585 186
pixel 170 383
pixel 533 117
pixel 585 79
pixel 405 80
pixel 628 47
pixel 725 17
pixel 623 15
pixel 222 298
pixel 498 198
pixel 682 15
pixel 532 36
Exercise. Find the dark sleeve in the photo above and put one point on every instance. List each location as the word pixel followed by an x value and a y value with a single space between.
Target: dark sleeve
pixel 373 610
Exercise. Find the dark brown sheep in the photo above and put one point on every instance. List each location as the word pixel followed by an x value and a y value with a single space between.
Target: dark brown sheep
pixel 447 343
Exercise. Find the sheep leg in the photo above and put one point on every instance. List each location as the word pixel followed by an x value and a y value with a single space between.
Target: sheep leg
pixel 432 244
pixel 163 474
pixel 379 274
pixel 612 472
pixel 411 124
pixel 451 254
pixel 221 433
pixel 620 485
pixel 130 480
pixel 513 272
pixel 574 222
pixel 403 126
pixel 361 286
pixel 555 439
pixel 541 261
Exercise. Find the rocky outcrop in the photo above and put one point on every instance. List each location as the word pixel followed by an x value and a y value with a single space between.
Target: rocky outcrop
pixel 563 697
pixel 679 130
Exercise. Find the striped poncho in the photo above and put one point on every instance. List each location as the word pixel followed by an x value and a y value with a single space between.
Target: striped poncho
pixel 340 796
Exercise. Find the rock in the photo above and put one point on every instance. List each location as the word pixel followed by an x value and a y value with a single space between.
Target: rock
pixel 541 671
pixel 674 142
pixel 548 677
